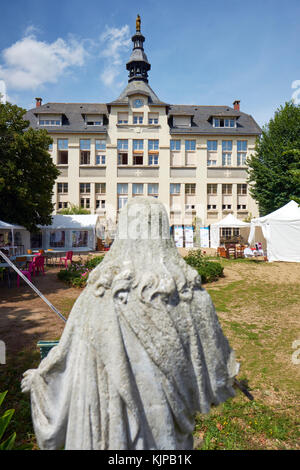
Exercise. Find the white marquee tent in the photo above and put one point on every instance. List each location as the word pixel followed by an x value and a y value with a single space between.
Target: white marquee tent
pixel 19 235
pixel 228 221
pixel 281 230
pixel 71 232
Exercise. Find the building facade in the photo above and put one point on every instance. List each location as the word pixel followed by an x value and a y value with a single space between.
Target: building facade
pixel 193 158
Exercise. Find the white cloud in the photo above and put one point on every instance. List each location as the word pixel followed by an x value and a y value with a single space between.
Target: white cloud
pixel 3 96
pixel 115 42
pixel 30 63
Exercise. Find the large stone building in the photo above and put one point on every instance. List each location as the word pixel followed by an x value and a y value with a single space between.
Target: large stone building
pixel 193 158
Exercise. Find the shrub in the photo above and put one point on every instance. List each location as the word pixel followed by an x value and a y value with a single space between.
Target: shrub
pixel 8 444
pixel 77 273
pixel 208 270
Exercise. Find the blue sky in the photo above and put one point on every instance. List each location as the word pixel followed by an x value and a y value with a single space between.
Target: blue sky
pixel 201 52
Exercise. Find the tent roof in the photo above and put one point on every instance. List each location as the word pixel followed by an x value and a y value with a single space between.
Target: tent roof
pixel 230 221
pixel 7 226
pixel 291 211
pixel 72 222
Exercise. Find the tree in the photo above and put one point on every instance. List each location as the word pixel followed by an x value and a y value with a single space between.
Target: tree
pixel 274 171
pixel 74 210
pixel 27 173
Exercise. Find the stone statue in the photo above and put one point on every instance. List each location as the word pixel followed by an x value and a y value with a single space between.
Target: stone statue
pixel 141 353
pixel 138 24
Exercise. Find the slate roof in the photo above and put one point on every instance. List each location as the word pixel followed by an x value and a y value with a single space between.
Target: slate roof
pixel 72 117
pixel 138 87
pixel 202 120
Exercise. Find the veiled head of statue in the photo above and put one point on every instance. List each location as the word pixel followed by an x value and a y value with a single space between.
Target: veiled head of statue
pixel 144 259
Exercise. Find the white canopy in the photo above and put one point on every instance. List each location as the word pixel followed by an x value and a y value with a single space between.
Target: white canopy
pixel 7 226
pixel 228 221
pixel 81 221
pixel 281 230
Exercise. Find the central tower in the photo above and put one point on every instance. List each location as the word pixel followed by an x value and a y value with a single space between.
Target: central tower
pixel 138 65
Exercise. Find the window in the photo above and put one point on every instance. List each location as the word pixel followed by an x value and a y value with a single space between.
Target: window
pixel 79 238
pixel 241 152
pixel 138 118
pixel 138 159
pixel 241 207
pixel 175 144
pixel 122 188
pixel 153 189
pixel 100 144
pixel 122 201
pixel 62 188
pixel 227 189
pixel 226 159
pixel 241 189
pixel 190 188
pixel 153 118
pixel 122 159
pixel 50 148
pixel 85 144
pixel 212 188
pixel 211 162
pixel 212 145
pixel 51 122
pixel 100 188
pixel 122 118
pixel 242 145
pixel 93 122
pixel 226 152
pixel 57 239
pixel 100 159
pixel 175 188
pixel 85 188
pixel 227 145
pixel 100 204
pixel 226 207
pixel 138 144
pixel 153 159
pixel 85 203
pixel 137 189
pixel 122 144
pixel 190 145
pixel 62 146
pixel 84 157
pixel 153 144
pixel 224 122
pixel 62 205
pixel 211 207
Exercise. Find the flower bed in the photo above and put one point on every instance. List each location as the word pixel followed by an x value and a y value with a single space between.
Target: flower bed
pixel 77 273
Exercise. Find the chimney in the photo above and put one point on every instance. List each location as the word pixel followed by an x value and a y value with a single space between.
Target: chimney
pixel 38 102
pixel 236 105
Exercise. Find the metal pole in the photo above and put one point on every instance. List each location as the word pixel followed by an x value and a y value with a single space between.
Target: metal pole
pixel 8 261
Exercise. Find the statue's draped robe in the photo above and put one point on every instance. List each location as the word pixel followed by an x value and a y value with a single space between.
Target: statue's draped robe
pixel 131 378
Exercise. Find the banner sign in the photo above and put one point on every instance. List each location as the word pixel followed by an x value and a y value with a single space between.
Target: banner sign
pixel 204 237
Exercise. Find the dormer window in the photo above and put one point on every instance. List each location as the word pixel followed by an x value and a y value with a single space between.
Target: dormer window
pixel 182 121
pixel 224 122
pixel 49 121
pixel 94 120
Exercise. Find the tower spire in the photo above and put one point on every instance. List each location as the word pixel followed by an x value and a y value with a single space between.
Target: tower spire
pixel 138 65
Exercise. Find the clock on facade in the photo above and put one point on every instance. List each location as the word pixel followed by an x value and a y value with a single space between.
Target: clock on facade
pixel 138 103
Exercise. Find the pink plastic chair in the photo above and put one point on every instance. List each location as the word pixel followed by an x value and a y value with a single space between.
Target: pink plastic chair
pixel 68 256
pixel 39 262
pixel 27 273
